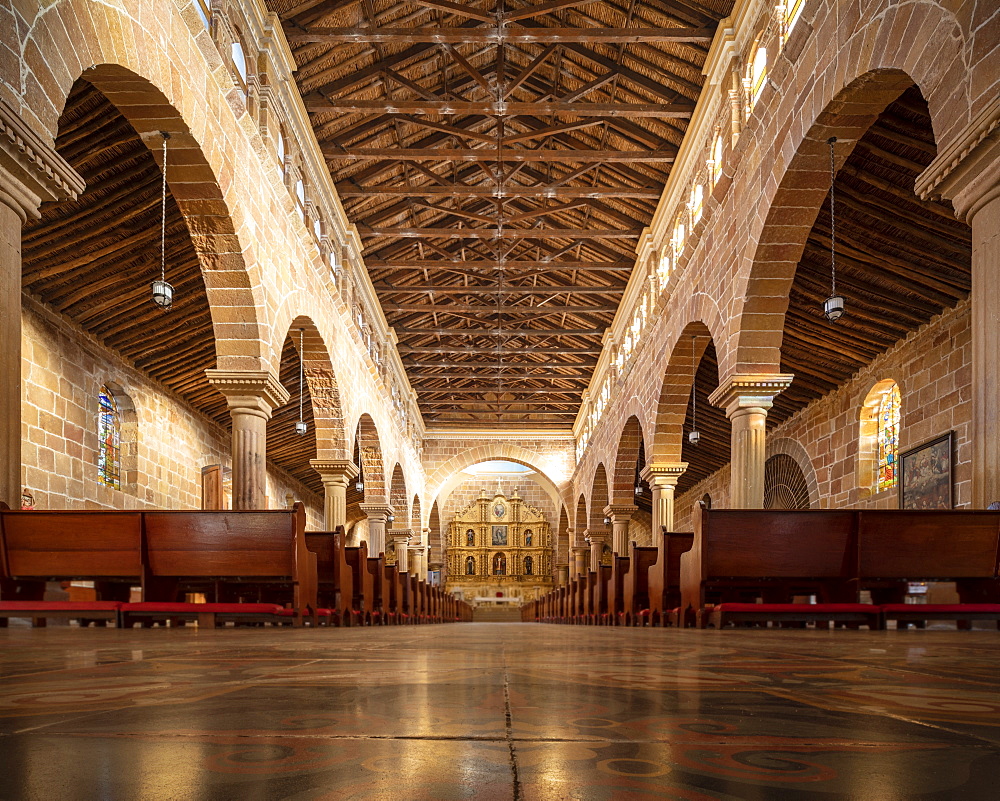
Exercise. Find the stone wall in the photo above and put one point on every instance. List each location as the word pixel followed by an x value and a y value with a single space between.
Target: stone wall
pixel 165 442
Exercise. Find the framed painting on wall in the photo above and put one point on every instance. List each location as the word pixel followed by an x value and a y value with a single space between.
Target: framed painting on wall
pixel 925 480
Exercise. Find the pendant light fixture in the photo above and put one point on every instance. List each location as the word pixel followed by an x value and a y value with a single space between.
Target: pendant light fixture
pixel 163 293
pixel 359 485
pixel 833 306
pixel 694 436
pixel 301 427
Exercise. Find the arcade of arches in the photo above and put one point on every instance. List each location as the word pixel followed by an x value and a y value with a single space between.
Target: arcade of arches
pixel 590 238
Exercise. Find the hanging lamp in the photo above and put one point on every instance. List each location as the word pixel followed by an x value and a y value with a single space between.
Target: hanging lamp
pixel 301 427
pixel 694 436
pixel 833 306
pixel 163 293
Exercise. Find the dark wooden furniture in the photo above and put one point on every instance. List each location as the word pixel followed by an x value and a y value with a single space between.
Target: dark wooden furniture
pixel 664 576
pixel 335 579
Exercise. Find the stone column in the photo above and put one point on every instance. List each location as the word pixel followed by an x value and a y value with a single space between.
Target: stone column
pixel 378 516
pixel 597 538
pixel 252 396
pixel 336 475
pixel 562 575
pixel 581 559
pixel 31 172
pixel 620 515
pixel 401 539
pixel 967 171
pixel 747 399
pixel 662 478
pixel 418 561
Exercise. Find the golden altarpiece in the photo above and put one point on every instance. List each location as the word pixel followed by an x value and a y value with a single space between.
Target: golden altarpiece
pixel 499 549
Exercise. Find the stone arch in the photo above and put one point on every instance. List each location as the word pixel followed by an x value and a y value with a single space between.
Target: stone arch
pixel 629 445
pixel 235 297
pixel 562 537
pixel 324 393
pixel 369 449
pixel 416 519
pixel 398 497
pixel 599 498
pixel 859 83
pixel 794 450
pixel 446 477
pixel 675 393
pixel 580 521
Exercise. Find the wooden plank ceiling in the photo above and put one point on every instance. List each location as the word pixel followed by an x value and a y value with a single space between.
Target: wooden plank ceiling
pixel 500 160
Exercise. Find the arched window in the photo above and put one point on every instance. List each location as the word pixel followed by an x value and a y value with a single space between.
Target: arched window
pixel 887 439
pixel 204 9
pixel 529 565
pixel 757 76
pixel 878 440
pixel 109 439
pixel 470 537
pixel 715 162
pixel 470 566
pixel 499 565
pixel 678 240
pixel 239 64
pixel 300 198
pixel 697 202
pixel 280 152
pixel 792 11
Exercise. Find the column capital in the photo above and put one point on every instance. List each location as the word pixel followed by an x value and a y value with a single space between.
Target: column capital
pixel 967 170
pixel 620 511
pixel 579 548
pixel 251 391
pixel 597 535
pixel 30 170
pixel 400 534
pixel 339 471
pixel 376 511
pixel 749 391
pixel 664 474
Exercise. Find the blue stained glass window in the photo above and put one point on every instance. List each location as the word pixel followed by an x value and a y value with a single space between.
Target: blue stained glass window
pixel 109 440
pixel 887 440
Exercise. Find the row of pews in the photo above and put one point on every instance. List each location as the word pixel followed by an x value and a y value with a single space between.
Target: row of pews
pixel 760 567
pixel 250 566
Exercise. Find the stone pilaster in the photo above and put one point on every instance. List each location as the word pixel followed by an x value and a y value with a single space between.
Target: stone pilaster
pixel 378 516
pixel 400 538
pixel 562 575
pixel 252 396
pixel 418 561
pixel 967 172
pixel 620 515
pixel 336 475
pixel 31 172
pixel 581 560
pixel 597 538
pixel 662 479
pixel 747 399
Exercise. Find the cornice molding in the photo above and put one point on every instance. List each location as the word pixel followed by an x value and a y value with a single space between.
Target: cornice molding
pixel 31 171
pixel 750 391
pixel 257 390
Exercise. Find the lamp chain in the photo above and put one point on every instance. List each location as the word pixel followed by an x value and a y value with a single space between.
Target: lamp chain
pixel 163 212
pixel 301 358
pixel 833 221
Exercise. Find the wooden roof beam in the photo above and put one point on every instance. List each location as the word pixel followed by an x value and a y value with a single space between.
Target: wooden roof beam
pixel 316 104
pixel 498 36
pixel 492 154
pixel 538 191
pixel 495 233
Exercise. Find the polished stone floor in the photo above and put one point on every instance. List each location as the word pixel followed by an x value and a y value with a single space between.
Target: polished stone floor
pixel 485 711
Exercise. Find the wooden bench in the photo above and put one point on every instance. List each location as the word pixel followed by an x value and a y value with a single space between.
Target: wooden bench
pixel 261 553
pixel 920 613
pixel 896 547
pixel 35 547
pixel 335 579
pixel 749 554
pixel 362 585
pixel 821 614
pixel 616 589
pixel 664 576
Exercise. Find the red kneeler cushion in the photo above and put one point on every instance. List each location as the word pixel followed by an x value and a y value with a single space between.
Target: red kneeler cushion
pixel 195 609
pixel 60 606
pixel 868 609
pixel 943 608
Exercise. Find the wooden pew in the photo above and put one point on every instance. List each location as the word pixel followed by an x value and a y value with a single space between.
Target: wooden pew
pixel 896 547
pixel 335 580
pixel 616 589
pixel 740 554
pixel 236 551
pixel 664 576
pixel 100 546
pixel 599 580
pixel 634 586
pixel 381 593
pixel 362 585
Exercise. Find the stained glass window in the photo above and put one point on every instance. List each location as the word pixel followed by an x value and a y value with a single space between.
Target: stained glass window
pixel 109 440
pixel 887 439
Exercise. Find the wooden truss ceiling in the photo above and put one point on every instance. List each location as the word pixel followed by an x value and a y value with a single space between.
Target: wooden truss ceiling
pixel 900 262
pixel 500 160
